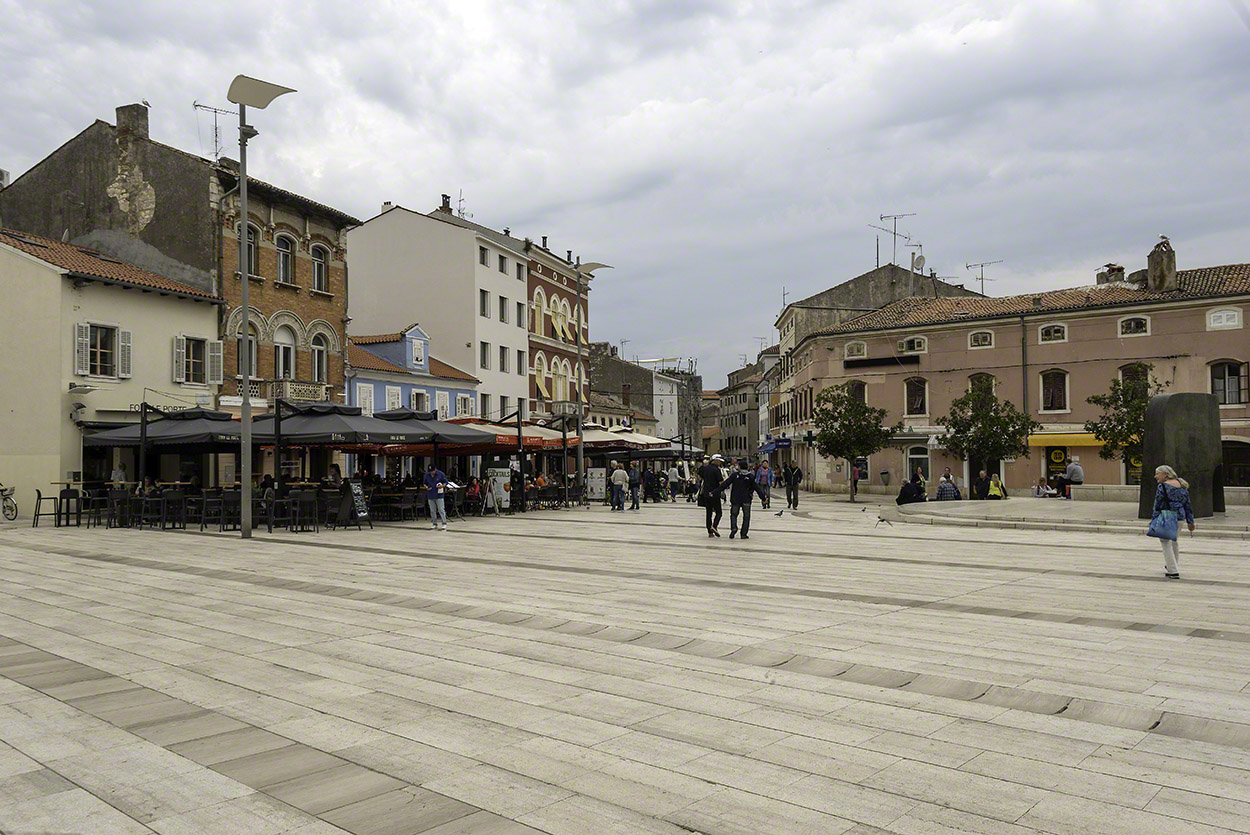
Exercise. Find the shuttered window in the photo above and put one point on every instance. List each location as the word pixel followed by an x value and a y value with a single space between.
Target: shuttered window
pixel 394 397
pixel 216 362
pixel 364 398
pixel 102 350
pixel 190 360
pixel 418 401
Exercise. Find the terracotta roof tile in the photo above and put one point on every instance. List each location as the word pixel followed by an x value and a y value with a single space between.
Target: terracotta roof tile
pixel 364 359
pixel 373 339
pixel 92 264
pixel 1205 282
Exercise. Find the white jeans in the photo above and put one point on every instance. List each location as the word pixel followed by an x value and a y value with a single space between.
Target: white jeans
pixel 1171 556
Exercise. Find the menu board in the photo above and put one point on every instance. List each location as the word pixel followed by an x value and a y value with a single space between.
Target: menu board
pixel 359 502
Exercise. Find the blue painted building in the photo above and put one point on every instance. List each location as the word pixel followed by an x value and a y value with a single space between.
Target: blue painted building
pixel 390 370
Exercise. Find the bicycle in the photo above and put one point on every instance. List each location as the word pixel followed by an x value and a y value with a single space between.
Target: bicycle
pixel 6 499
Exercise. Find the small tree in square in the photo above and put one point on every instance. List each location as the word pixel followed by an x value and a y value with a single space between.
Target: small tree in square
pixel 983 427
pixel 1122 424
pixel 847 427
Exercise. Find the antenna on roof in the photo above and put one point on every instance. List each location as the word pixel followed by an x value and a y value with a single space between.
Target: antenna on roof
pixel 216 111
pixel 460 212
pixel 895 218
pixel 981 278
pixel 763 340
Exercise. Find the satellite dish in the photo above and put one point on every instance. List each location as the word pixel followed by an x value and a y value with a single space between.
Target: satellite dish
pixel 919 263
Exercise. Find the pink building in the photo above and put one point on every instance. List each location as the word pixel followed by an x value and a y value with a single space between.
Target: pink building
pixel 1046 352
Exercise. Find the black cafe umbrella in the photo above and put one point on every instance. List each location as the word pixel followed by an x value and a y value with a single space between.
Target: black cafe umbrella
pixel 441 432
pixel 333 424
pixel 189 427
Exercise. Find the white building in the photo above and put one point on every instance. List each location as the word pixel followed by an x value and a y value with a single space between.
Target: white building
pixel 667 391
pixel 467 285
pixel 88 338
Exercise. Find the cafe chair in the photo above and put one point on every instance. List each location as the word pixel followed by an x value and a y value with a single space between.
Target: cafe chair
pixel 70 501
pixel 173 510
pixel 304 509
pixel 407 506
pixel 95 506
pixel 55 512
pixel 118 509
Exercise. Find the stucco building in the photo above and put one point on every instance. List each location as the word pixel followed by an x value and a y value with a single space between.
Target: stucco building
pixel 89 338
pixel 113 188
pixel 739 412
pixel 1046 353
pixel 673 396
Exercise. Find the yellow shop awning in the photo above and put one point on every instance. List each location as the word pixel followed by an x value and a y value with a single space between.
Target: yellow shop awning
pixel 1070 439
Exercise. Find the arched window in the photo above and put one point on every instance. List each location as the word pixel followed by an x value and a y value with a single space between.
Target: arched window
pixel 566 319
pixel 980 380
pixel 1052 333
pixel 540 375
pixel 1134 372
pixel 286 259
pixel 284 353
pixel 253 235
pixel 858 390
pixel 853 350
pixel 247 356
pixel 540 310
pixel 577 318
pixel 1054 391
pixel 1134 326
pixel 321 269
pixel 1229 383
pixel 981 339
pixel 320 359
pixel 916 400
pixel 553 309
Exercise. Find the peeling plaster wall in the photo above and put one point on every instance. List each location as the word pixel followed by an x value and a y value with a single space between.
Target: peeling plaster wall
pixel 137 200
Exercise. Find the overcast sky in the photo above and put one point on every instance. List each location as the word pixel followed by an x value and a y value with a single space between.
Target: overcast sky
pixel 711 151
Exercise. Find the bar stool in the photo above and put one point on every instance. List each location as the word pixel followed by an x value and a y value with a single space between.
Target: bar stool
pixel 55 513
pixel 70 501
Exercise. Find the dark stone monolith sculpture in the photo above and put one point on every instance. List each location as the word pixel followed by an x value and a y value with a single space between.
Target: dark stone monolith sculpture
pixel 1183 431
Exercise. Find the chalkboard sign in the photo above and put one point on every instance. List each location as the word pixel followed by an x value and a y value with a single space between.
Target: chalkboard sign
pixel 359 503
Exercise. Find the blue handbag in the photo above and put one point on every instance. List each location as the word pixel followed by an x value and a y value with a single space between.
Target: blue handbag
pixel 1163 526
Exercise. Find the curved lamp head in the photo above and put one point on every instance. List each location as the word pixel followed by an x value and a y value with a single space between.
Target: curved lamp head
pixel 253 92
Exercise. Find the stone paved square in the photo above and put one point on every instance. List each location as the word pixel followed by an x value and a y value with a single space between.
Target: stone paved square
pixel 588 672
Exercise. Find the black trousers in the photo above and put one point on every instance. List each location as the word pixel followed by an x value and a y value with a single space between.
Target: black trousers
pixel 734 507
pixel 792 495
pixel 714 512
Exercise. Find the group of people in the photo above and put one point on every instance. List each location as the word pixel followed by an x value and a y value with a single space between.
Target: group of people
pixel 984 487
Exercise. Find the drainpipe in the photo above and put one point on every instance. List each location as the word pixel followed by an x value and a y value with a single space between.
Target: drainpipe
pixel 1024 366
pixel 219 243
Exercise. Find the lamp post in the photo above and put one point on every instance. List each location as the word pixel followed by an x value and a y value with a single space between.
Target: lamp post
pixel 584 273
pixel 245 91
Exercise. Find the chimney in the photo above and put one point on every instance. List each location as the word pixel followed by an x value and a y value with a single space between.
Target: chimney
pixel 4 178
pixel 1161 268
pixel 570 258
pixel 1110 273
pixel 544 241
pixel 624 393
pixel 133 118
pixel 446 207
pixel 1037 302
pixel 387 206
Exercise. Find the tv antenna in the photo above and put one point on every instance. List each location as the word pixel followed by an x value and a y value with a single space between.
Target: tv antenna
pixel 217 112
pixel 917 260
pixel 460 212
pixel 981 266
pixel 895 231
pixel 763 340
pixel 743 357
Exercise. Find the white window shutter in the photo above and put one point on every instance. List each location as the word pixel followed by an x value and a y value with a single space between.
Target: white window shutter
pixel 216 363
pixel 364 398
pixel 180 359
pixel 394 397
pixel 442 405
pixel 123 353
pixel 82 348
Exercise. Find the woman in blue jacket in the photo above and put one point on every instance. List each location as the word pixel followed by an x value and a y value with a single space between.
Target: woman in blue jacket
pixel 1171 503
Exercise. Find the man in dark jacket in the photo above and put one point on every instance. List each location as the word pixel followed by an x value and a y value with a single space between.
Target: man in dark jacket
pixel 981 486
pixel 792 476
pixel 635 480
pixel 742 486
pixel 710 488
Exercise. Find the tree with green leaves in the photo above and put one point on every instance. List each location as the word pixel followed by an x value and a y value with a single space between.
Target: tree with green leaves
pixel 1122 425
pixel 847 427
pixel 983 427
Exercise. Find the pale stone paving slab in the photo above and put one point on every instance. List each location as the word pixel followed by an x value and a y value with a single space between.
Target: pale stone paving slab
pixel 579 672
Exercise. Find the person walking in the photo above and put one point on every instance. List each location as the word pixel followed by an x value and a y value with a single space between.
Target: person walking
pixel 635 480
pixel 742 485
pixel 674 481
pixel 855 476
pixel 792 476
pixel 620 481
pixel 1171 501
pixel 710 487
pixel 435 493
pixel 764 478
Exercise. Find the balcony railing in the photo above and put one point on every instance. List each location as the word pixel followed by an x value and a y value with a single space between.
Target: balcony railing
pixel 299 390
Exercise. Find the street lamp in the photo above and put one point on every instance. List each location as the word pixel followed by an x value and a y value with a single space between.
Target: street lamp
pixel 585 272
pixel 245 91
